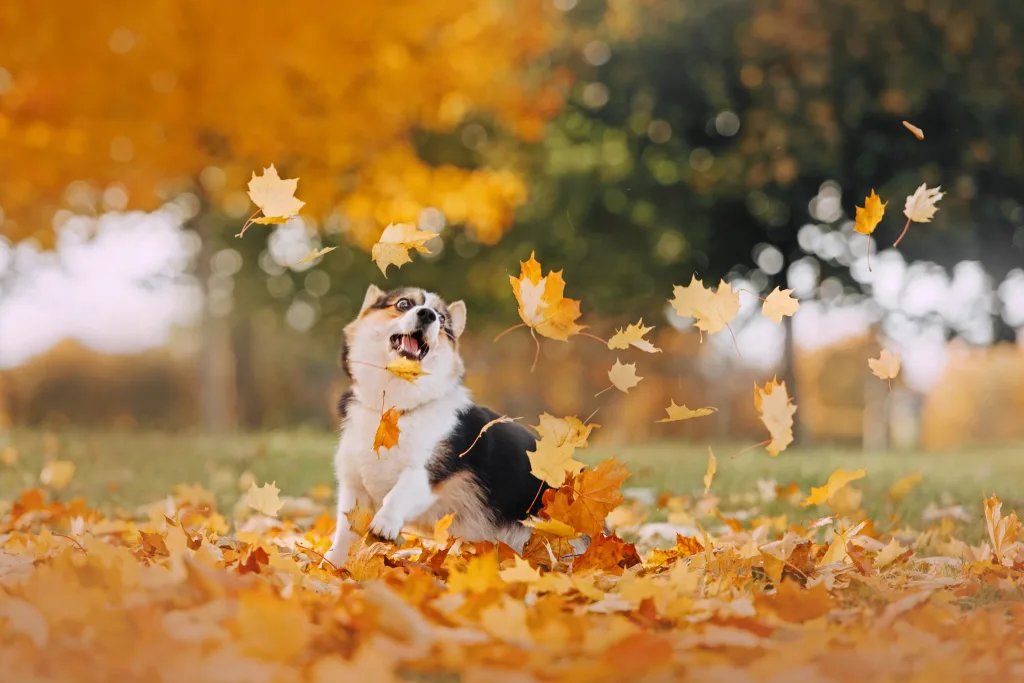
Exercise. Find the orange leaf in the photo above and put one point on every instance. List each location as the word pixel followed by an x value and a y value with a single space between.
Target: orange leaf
pixel 387 431
pixel 542 305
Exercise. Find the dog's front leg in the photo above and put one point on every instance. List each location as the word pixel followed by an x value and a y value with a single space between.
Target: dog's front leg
pixel 344 537
pixel 410 497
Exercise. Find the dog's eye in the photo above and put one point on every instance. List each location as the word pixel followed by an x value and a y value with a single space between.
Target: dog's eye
pixel 403 304
pixel 440 319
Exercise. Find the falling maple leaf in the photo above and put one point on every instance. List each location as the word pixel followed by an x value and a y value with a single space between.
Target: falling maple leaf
pixel 886 366
pixel 565 430
pixel 901 488
pixel 918 133
pixel 777 412
pixel 274 196
pixel 406 368
pixel 498 420
pixel 542 304
pixel 712 468
pixel 585 501
pixel 392 249
pixel 549 461
pixel 779 303
pixel 868 217
pixel 623 377
pixel 264 499
pixel 315 254
pixel 677 413
pixel 920 207
pixel 57 474
pixel 836 481
pixel 711 311
pixel 633 336
pixel 387 431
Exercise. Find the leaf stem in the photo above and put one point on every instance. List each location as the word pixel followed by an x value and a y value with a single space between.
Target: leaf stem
pixel 514 327
pixel 593 336
pixel 248 222
pixel 905 227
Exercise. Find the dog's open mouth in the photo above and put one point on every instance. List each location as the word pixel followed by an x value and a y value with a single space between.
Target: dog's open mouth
pixel 410 345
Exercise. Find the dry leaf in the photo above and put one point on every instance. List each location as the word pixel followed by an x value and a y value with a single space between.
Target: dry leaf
pixel 57 474
pixel 550 462
pixel 886 366
pixel 633 336
pixel 920 206
pixel 315 254
pixel 1003 531
pixel 868 217
pixel 836 481
pixel 275 197
pixel 392 249
pixel 387 431
pixel 624 377
pixel 901 488
pixel 498 420
pixel 584 502
pixel 264 499
pixel 779 303
pixel 711 311
pixel 406 368
pixel 441 527
pixel 918 133
pixel 677 413
pixel 889 554
pixel 565 430
pixel 551 526
pixel 542 304
pixel 712 468
pixel 776 412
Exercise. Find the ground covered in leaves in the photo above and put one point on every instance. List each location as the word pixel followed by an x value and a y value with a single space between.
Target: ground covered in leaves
pixel 177 591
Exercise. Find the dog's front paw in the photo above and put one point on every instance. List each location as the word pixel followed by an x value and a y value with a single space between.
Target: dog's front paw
pixel 386 525
pixel 337 555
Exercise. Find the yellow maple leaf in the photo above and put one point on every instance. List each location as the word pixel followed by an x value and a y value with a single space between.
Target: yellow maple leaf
pixel 315 254
pixel 387 431
pixel 406 368
pixel 480 575
pixel 623 377
pixel 837 550
pixel 836 481
pixel 777 412
pixel 888 554
pixel 264 499
pixel 870 215
pixel 498 420
pixel 686 300
pixel 392 249
pixel 886 366
pixel 57 474
pixel 901 488
pixel 711 311
pixel 542 304
pixel 918 133
pixel 565 430
pixel 1003 531
pixel 920 206
pixel 633 335
pixel 441 526
pixel 551 526
pixel 677 413
pixel 779 303
pixel 550 462
pixel 712 468
pixel 521 572
pixel 274 196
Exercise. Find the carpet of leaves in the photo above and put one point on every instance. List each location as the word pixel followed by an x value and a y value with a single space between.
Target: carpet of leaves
pixel 176 592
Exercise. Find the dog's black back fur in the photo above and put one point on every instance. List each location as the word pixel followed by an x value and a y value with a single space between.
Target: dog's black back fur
pixel 498 461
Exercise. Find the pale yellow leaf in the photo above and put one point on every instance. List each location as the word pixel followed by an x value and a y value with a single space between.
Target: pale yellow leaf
pixel 623 377
pixel 633 335
pixel 920 206
pixel 264 499
pixel 677 413
pixel 712 468
pixel 406 368
pixel 777 412
pixel 57 474
pixel 886 366
pixel 779 303
pixel 274 196
pixel 392 249
pixel 315 254
pixel 837 480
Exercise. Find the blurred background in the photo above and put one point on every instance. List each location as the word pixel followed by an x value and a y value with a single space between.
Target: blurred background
pixel 632 143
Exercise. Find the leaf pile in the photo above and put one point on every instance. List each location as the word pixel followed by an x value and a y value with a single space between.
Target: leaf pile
pixel 176 593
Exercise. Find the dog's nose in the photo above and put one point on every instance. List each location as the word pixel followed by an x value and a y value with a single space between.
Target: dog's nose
pixel 426 315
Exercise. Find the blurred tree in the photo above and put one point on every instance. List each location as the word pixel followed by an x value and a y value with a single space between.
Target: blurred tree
pixel 132 104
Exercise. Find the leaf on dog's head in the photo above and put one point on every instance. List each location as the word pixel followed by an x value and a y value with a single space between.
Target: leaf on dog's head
pixel 275 196
pixel 264 499
pixel 392 249
pixel 886 366
pixel 633 335
pixel 624 377
pixel 387 431
pixel 677 413
pixel 406 368
pixel 542 304
pixel 777 412
pixel 779 303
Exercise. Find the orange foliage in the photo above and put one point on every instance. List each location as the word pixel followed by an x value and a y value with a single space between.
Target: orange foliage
pixel 152 98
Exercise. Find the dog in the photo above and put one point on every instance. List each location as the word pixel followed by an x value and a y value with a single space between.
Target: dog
pixel 442 464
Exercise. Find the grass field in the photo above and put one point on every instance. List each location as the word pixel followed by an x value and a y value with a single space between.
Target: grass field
pixel 126 469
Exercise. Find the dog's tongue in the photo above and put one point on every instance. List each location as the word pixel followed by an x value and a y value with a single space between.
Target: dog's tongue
pixel 410 345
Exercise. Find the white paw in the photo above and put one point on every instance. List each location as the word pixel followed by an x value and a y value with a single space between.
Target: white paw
pixel 337 555
pixel 386 525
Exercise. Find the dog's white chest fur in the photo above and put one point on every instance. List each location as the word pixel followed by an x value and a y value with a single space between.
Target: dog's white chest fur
pixel 421 432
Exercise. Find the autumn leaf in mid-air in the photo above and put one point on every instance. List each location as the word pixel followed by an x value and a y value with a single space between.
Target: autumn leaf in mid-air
pixel 387 431
pixel 315 254
pixel 559 439
pixel 585 501
pixel 711 311
pixel 712 468
pixel 777 412
pixel 392 249
pixel 779 303
pixel 836 481
pixel 624 377
pixel 920 207
pixel 868 217
pixel 406 368
pixel 677 413
pixel 633 335
pixel 57 474
pixel 886 366
pixel 542 304
pixel 264 499
pixel 918 133
pixel 274 196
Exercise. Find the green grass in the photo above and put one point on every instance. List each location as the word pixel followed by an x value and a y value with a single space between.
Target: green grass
pixel 126 469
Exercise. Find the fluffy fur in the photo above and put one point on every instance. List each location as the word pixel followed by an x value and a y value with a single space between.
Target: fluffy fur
pixel 490 488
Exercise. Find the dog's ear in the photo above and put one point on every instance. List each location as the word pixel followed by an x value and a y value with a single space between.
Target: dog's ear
pixel 457 313
pixel 373 293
